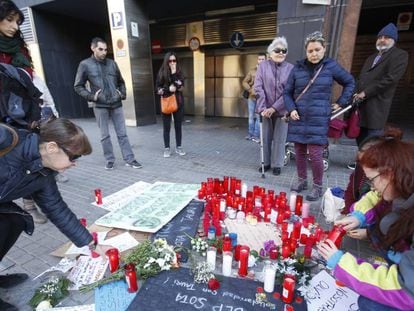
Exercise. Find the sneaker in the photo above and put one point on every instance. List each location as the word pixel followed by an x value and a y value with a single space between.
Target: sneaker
pixel 315 194
pixel 248 137
pixel 167 153
pixel 109 165
pixel 352 166
pixel 30 207
pixel 299 185
pixel 180 151
pixel 134 164
pixel 11 280
pixel 276 171
pixel 5 306
pixel 256 140
pixel 61 178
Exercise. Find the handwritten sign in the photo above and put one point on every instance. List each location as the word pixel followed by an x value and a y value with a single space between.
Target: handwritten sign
pixel 113 297
pixel 186 222
pixel 323 294
pixel 176 290
pixel 87 271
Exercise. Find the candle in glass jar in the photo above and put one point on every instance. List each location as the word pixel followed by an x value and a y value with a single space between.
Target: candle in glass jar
pixel 336 235
pixel 131 278
pixel 98 196
pixel 227 262
pixel 244 190
pixel 227 244
pixel 292 201
pixel 113 258
pixel 211 235
pixel 288 290
pixel 273 253
pixel 211 257
pixel 285 251
pixel 244 260
pixel 305 210
pixel 298 205
pixel 269 277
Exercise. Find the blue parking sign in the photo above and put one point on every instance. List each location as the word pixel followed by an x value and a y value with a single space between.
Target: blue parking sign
pixel 237 40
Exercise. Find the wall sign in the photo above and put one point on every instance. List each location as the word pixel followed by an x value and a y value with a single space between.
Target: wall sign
pixel 134 29
pixel 117 19
pixel 322 2
pixel 237 40
pixel 194 43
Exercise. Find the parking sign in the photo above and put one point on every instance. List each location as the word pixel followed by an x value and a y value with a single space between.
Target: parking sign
pixel 117 20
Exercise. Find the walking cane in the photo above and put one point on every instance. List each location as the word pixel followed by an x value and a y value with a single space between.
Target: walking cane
pixel 261 144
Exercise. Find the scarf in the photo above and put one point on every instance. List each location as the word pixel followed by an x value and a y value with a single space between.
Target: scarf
pixel 13 46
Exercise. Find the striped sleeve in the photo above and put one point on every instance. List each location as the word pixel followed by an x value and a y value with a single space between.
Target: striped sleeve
pixel 364 208
pixel 380 283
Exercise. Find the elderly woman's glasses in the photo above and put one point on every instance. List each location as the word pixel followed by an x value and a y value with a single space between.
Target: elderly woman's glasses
pixel 277 51
pixel 72 157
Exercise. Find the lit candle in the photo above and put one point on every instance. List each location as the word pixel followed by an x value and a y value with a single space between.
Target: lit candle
pixel 269 277
pixel 273 253
pixel 237 252
pixel 292 201
pixel 226 184
pixel 297 226
pixel 303 238
pixel 227 262
pixel 201 194
pixel 298 205
pixel 211 257
pixel 226 244
pixel 113 258
pixel 98 196
pixel 285 251
pixel 288 290
pixel 336 235
pixel 307 252
pixel 244 259
pixel 131 278
pixel 305 209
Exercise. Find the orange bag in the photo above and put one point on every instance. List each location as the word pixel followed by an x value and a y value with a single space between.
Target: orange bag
pixel 169 104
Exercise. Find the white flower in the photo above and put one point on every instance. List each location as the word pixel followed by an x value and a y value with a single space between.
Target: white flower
pixel 44 305
pixel 160 262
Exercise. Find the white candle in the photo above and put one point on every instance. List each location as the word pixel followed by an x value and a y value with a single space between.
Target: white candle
pixel 227 262
pixel 292 202
pixel 305 210
pixel 222 205
pixel 269 278
pixel 273 216
pixel 211 257
pixel 243 190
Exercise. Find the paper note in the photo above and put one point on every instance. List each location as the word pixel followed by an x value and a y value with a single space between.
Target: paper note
pixel 122 242
pixel 87 271
pixel 74 250
pixel 76 308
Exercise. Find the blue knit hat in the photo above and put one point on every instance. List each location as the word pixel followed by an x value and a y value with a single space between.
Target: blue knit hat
pixel 390 31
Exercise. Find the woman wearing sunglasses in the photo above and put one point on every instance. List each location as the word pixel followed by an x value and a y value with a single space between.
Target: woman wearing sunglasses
pixel 308 101
pixel 170 82
pixel 28 165
pixel 269 84
pixel 389 168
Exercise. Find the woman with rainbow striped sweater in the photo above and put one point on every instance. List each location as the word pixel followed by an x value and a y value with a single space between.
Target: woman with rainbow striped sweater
pixel 389 167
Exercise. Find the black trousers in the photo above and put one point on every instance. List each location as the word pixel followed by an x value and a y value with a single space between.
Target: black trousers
pixel 11 225
pixel 166 121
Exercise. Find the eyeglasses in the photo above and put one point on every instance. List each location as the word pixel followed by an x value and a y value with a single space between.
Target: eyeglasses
pixel 172 60
pixel 277 51
pixel 72 157
pixel 370 181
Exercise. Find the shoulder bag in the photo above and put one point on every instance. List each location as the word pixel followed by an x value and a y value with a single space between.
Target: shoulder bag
pixel 169 104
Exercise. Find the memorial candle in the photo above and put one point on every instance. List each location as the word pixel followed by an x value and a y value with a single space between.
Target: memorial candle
pixel 98 196
pixel 273 253
pixel 285 251
pixel 131 278
pixel 227 262
pixel 305 209
pixel 211 257
pixel 113 258
pixel 288 290
pixel 298 205
pixel 297 226
pixel 292 201
pixel 269 277
pixel 237 252
pixel 336 235
pixel 201 194
pixel 226 244
pixel 307 252
pixel 244 259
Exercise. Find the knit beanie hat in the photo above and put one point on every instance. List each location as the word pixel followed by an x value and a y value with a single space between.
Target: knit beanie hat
pixel 390 31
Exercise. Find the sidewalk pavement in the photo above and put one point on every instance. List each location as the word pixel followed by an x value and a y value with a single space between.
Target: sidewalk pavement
pixel 215 147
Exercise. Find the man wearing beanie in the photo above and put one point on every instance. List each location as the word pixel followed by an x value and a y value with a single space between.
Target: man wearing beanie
pixel 378 80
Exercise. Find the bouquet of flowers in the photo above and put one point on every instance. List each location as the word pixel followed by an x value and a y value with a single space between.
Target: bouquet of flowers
pixel 149 258
pixel 199 245
pixel 203 274
pixel 50 293
pixel 295 267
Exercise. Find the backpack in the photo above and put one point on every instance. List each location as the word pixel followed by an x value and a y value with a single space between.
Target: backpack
pixel 19 98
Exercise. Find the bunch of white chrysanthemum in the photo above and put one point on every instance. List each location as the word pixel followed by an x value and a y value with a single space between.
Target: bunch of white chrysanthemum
pixel 199 245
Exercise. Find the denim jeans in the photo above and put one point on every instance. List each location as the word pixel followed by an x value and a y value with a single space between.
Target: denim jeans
pixel 253 118
pixel 366 304
pixel 316 158
pixel 103 115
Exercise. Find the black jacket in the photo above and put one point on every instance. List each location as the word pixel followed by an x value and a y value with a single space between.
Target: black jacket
pixel 22 174
pixel 379 84
pixel 104 75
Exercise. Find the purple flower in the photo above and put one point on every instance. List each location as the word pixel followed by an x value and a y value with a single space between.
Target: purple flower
pixel 262 252
pixel 268 245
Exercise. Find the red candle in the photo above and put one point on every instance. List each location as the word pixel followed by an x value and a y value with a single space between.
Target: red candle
pixel 273 253
pixel 305 222
pixel 298 206
pixel 113 257
pixel 244 259
pixel 285 251
pixel 232 184
pixel 303 238
pixel 284 236
pixel 318 233
pixel 201 194
pixel 307 252
pixel 297 226
pixel 336 235
pixel 237 252
pixel 226 244
pixel 98 196
pixel 293 244
pixel 237 190
pixel 288 290
pixel 131 278
pixel 226 184
pixel 285 225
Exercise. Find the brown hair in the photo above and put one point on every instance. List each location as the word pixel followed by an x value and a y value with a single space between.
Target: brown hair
pixel 65 134
pixel 396 158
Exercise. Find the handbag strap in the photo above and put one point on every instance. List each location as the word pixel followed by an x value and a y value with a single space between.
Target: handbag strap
pixel 14 142
pixel 309 84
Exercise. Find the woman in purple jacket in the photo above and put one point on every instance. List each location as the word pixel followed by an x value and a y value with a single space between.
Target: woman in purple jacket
pixel 269 84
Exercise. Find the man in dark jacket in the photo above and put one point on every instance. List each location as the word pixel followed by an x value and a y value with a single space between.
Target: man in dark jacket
pixel 107 90
pixel 378 80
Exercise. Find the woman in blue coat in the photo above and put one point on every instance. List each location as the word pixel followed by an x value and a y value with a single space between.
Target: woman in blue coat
pixel 28 165
pixel 309 116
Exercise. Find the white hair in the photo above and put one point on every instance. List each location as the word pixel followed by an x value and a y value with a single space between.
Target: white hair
pixel 277 41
